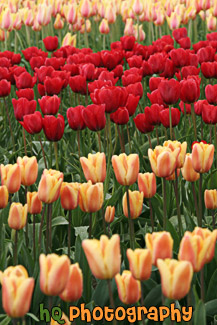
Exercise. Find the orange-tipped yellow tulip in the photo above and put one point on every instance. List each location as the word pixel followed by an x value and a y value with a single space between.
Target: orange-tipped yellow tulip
pixel 54 273
pixel 18 271
pixel 69 195
pixel 109 214
pixel 29 170
pixel 140 262
pixel 90 197
pixel 74 286
pixel 176 277
pixel 174 145
pixel 198 247
pixel 202 157
pixel 49 186
pixel 129 289
pixel 11 177
pixel 103 256
pixel 3 197
pixel 147 184
pixel 85 8
pixel 34 203
pixel 94 167
pixel 210 198
pixel 136 203
pixel 17 216
pixel 163 160
pixel 160 244
pixel 188 172
pixel 126 168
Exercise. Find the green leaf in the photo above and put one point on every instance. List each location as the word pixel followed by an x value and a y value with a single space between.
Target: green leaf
pixel 153 298
pixel 100 295
pixel 212 288
pixel 33 316
pixel 58 221
pixel 211 307
pixel 200 314
pixel 6 321
pixel 82 232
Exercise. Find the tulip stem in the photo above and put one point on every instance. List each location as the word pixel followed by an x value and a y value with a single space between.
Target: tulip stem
pixel 111 297
pixel 15 247
pixel 201 126
pixel 165 204
pixel 151 215
pixel 24 141
pixel 194 121
pixel 41 226
pixel 129 140
pixel 119 135
pixel 213 219
pixel 202 293
pixel 176 190
pixel 99 141
pixel 33 235
pixel 26 233
pixel 50 225
pixel 9 122
pixel 69 232
pixel 56 155
pixel 195 202
pixel 142 303
pixel 131 225
pixel 149 141
pixel 171 127
pixel 157 135
pixel 200 201
pixel 90 225
pixel 85 34
pixel 43 153
pixel 215 132
pixel 79 145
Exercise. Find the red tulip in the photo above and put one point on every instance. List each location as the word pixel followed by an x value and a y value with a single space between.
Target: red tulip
pixel 199 45
pixel 94 117
pixel 135 89
pixel 187 107
pixel 209 114
pixel 142 123
pixel 33 51
pixel 179 57
pixel 132 102
pixel 164 117
pixel 111 59
pixel 49 104
pixel 53 127
pixel 189 90
pixel 51 43
pixel 211 94
pixel 63 75
pixel 98 84
pixel 156 98
pixel 189 71
pixel 78 84
pixel 121 116
pixel 108 76
pixel 75 118
pixel 56 63
pixel 198 106
pixel 53 86
pixel 206 54
pixel 5 74
pixel 127 42
pixel 169 69
pixel 25 80
pixel 179 33
pixel 185 42
pixel 131 79
pixel 32 123
pixel 87 70
pixel 43 72
pixel 23 106
pixel 209 69
pixel 27 93
pixel 147 70
pixel 36 62
pixel 72 68
pixel 118 71
pixel 170 91
pixel 153 114
pixel 154 83
pixel 135 61
pixel 5 88
pixel 157 62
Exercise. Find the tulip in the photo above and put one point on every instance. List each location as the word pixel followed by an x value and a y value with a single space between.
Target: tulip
pixel 69 195
pixel 94 117
pixel 126 168
pixel 176 278
pixel 32 123
pixel 131 105
pixel 169 90
pixel 140 262
pixel 153 114
pixel 50 43
pixel 208 69
pixel 189 90
pixel 53 127
pixel 94 167
pixel 188 172
pixel 104 27
pixel 53 86
pixel 17 217
pixel 179 33
pixel 103 256
pixel 129 289
pixel 156 98
pixel 189 71
pixel 206 54
pixel 210 199
pixel 198 247
pixel 25 80
pixel 23 106
pixel 180 57
pixel 109 214
pixel 74 286
pixel 210 92
pixel 78 84
pixel 29 170
pixel 136 204
pixel 11 177
pixel 3 196
pixel 75 118
pixel 90 197
pixel 175 117
pixel 202 157
pixel 14 271
pixel 54 273
pixel 49 104
pixel 185 42
pixel 49 186
pixel 176 144
pixel 27 93
pixel 121 116
pixel 160 244
pixel 142 123
pixel 5 88
pixel 209 114
pixel 147 184
pixel 157 62
pixel 17 295
pixel 135 89
pixel 34 203
pixel 198 106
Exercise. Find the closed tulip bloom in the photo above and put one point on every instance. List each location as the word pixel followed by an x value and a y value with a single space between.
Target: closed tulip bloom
pixel 160 244
pixel 147 184
pixel 126 168
pixel 94 167
pixel 198 247
pixel 17 295
pixel 90 197
pixel 11 177
pixel 17 270
pixel 17 216
pixel 69 195
pixel 94 117
pixel 210 199
pixel 142 123
pixel 74 286
pixel 176 144
pixel 202 157
pixel 109 214
pixel 54 273
pixel 29 170
pixel 53 86
pixel 53 127
pixel 136 203
pixel 121 116
pixel 176 278
pixel 34 203
pixel 164 117
pixel 25 80
pixel 75 118
pixel 3 196
pixel 32 123
pixel 189 90
pixel 163 160
pixel 22 107
pixel 27 93
pixel 140 262
pixel 49 186
pixel 49 104
pixel 5 88
pixel 209 114
pixel 129 289
pixel 103 256
pixel 170 91
pixel 188 172
pixel 51 43
pixel 211 94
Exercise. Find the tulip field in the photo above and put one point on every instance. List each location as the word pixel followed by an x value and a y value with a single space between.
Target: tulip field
pixel 108 162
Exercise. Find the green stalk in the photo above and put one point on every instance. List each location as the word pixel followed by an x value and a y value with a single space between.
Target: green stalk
pixel 151 215
pixel 90 225
pixel 200 200
pixel 194 121
pixel 131 224
pixel 111 298
pixel 202 292
pixel 56 155
pixel 69 232
pixel 33 235
pixel 164 205
pixel 170 116
pixel 15 247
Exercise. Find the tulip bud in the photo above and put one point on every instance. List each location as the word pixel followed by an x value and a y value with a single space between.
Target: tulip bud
pixel 18 271
pixel 176 144
pixel 49 186
pixel 126 168
pixel 3 197
pixel 90 197
pixel 136 203
pixel 69 195
pixel 210 198
pixel 129 289
pixel 103 256
pixel 109 214
pixel 188 171
pixel 34 203
pixel 202 157
pixel 54 273
pixel 140 262
pixel 176 278
pixel 147 184
pixel 160 244
pixel 74 286
pixel 104 27
pixel 29 170
pixel 94 167
pixel 11 177
pixel 17 216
